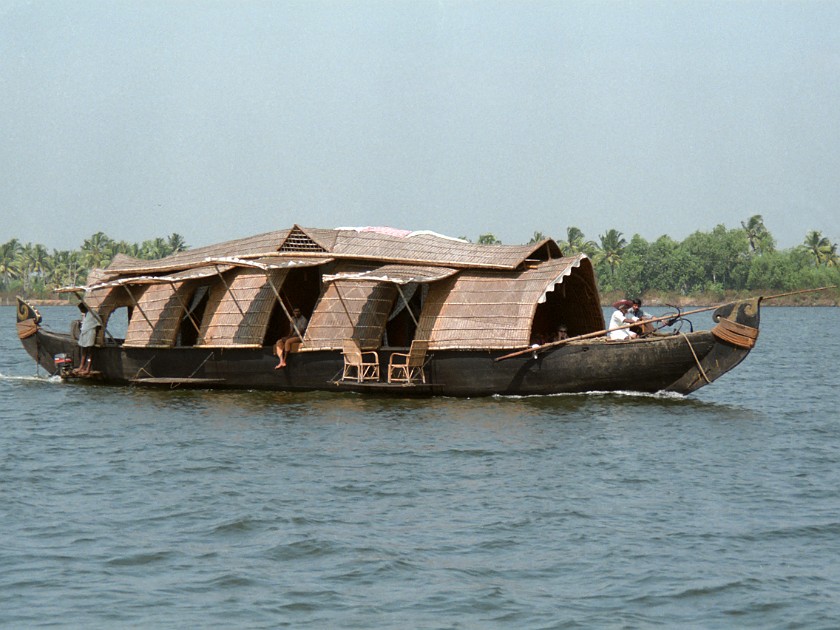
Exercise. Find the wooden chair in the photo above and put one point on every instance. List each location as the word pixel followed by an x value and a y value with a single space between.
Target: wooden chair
pixel 406 368
pixel 359 366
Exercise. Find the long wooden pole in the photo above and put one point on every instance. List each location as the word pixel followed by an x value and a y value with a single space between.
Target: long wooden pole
pixel 601 333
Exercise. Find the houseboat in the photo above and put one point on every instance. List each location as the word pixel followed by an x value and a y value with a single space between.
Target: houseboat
pixel 389 311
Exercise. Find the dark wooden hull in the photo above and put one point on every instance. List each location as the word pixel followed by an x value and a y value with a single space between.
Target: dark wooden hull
pixel 677 363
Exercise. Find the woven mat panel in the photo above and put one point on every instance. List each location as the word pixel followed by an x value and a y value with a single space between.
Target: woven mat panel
pixel 240 316
pixel 106 301
pixel 350 309
pixel 163 306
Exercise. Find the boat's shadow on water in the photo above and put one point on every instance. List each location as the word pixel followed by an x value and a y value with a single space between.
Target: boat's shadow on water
pixel 345 404
pixel 349 406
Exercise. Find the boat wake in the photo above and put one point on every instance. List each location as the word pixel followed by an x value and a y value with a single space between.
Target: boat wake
pixel 31 379
pixel 603 394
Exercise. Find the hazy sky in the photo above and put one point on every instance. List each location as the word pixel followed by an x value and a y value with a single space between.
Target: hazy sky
pixel 221 119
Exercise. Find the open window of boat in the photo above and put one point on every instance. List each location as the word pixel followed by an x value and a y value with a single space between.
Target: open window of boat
pixel 250 306
pixel 359 302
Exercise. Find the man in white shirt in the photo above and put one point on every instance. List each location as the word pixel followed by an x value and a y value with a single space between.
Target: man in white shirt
pixel 620 318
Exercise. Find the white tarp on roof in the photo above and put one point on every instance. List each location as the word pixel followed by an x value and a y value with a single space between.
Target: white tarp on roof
pixel 269 262
pixel 395 274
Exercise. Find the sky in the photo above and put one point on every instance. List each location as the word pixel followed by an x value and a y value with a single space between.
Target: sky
pixel 223 119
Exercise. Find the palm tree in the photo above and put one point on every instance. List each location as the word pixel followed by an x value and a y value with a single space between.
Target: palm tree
pixel 8 260
pixel 488 239
pixel 24 262
pixel 817 246
pixel 537 237
pixel 64 269
pixel 176 243
pixel 97 250
pixel 576 243
pixel 831 257
pixel 612 247
pixel 129 249
pixel 758 235
pixel 154 249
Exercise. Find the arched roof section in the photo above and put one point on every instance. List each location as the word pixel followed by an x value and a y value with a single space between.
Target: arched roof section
pixel 488 309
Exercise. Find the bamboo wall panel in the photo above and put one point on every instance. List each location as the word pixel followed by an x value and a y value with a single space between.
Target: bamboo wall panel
pixel 163 307
pixel 239 316
pixel 350 309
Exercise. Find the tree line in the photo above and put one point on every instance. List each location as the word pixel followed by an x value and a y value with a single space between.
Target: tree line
pixel 705 263
pixel 743 259
pixel 33 271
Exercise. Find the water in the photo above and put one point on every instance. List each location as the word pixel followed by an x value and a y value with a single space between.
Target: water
pixel 124 507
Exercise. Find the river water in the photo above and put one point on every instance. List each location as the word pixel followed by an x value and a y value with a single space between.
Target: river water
pixel 122 507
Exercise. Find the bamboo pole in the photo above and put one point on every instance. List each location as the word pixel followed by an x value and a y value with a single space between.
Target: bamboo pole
pixel 282 305
pixel 137 306
pixel 229 291
pixel 185 307
pixel 601 333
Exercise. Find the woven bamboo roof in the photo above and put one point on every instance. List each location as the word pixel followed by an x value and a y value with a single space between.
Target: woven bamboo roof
pixel 364 244
pixel 249 247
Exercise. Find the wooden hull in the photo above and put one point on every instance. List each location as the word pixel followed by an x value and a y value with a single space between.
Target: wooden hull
pixel 677 363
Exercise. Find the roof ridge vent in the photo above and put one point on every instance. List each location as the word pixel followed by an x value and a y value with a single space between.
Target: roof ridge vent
pixel 300 241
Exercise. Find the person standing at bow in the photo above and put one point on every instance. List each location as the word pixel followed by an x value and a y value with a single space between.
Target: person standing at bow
pixel 87 339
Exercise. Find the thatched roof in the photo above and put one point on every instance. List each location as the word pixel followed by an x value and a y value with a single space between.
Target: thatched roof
pixel 362 244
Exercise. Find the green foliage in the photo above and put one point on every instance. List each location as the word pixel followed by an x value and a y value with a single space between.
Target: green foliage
pixel 821 250
pixel 33 271
pixel 705 262
pixel 576 243
pixel 488 239
pixel 758 236
pixel 708 263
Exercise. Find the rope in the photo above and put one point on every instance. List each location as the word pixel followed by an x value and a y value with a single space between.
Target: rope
pixel 699 367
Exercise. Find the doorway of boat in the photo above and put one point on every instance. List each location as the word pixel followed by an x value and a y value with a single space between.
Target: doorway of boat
pixel 300 289
pixel 554 318
pixel 190 326
pixel 401 327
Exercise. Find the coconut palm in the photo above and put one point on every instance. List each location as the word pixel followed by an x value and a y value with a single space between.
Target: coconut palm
pixel 97 251
pixel 65 268
pixel 537 237
pixel 129 249
pixel 154 248
pixel 488 239
pixel 758 235
pixel 8 260
pixel 576 243
pixel 176 243
pixel 612 247
pixel 831 257
pixel 33 262
pixel 817 246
